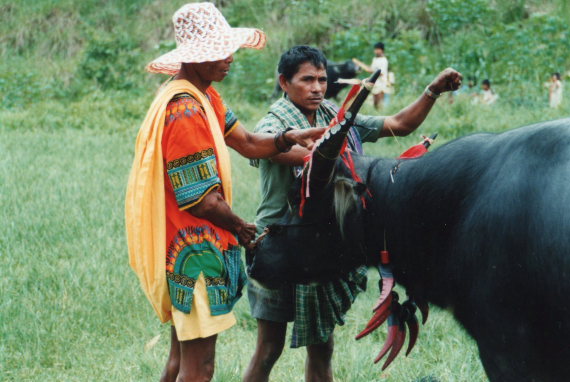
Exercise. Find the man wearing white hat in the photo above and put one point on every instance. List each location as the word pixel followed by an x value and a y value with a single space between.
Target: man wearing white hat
pixel 182 234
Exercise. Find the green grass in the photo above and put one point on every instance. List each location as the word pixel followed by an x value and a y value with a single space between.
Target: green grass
pixel 72 310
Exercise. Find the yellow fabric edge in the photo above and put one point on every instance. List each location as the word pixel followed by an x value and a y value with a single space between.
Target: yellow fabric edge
pixel 232 129
pixel 201 197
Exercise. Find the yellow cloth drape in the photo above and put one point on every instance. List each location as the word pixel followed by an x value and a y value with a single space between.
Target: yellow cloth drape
pixel 145 216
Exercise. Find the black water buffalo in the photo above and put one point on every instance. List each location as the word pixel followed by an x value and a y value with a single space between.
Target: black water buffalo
pixel 346 70
pixel 480 226
pixel 335 70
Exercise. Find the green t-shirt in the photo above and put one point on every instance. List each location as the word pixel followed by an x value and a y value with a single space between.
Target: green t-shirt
pixel 276 179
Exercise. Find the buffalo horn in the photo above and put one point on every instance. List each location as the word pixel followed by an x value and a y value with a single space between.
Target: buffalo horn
pixel 328 149
pixel 414 329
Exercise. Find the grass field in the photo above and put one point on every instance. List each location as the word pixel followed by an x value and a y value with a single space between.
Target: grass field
pixel 72 310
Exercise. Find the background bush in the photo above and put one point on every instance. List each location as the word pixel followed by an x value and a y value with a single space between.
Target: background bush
pixel 64 48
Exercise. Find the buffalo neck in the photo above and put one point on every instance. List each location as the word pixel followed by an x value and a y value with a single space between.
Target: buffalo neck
pixel 414 210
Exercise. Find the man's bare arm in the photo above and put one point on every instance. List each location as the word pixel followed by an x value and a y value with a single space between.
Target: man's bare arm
pixel 412 116
pixel 295 157
pixel 362 65
pixel 261 145
pixel 214 208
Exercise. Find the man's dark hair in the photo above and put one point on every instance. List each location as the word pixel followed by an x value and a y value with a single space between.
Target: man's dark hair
pixel 379 45
pixel 486 82
pixel 557 75
pixel 298 55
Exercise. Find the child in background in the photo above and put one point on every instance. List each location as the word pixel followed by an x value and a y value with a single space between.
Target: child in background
pixel 488 95
pixel 383 85
pixel 555 90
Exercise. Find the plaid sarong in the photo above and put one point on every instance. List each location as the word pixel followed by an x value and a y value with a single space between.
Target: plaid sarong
pixel 319 308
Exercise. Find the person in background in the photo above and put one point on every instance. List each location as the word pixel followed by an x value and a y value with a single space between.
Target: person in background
pixel 182 234
pixel 467 90
pixel 487 95
pixel 555 90
pixel 314 309
pixel 383 85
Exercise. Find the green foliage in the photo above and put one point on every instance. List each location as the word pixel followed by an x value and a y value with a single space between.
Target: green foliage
pixel 530 50
pixel 12 94
pixel 410 57
pixel 356 41
pixel 517 57
pixel 252 76
pixel 513 10
pixel 451 16
pixel 110 61
pixel 70 47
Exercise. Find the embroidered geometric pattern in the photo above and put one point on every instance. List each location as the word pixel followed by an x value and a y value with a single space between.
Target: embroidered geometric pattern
pixel 235 271
pixel 218 297
pixel 184 105
pixel 189 159
pixel 213 281
pixel 195 251
pixel 193 179
pixel 187 237
pixel 181 296
pixel 181 279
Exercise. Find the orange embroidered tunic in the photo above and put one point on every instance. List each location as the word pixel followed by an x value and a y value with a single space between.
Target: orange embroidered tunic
pixel 195 245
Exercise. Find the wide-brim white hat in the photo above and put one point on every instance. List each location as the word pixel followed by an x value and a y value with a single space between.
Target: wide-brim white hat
pixel 203 34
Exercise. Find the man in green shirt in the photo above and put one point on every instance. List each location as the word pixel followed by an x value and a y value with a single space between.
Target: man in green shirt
pixel 314 309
